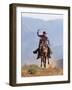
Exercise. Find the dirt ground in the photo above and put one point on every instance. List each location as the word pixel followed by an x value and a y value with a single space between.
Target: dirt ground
pixel 33 70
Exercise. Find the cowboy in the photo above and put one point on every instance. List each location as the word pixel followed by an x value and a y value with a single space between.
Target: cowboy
pixel 43 39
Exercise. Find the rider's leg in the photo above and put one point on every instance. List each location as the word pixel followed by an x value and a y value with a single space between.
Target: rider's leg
pixel 35 52
pixel 49 52
pixel 38 55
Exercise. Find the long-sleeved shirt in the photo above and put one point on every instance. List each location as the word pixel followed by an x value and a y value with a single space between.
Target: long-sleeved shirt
pixel 43 38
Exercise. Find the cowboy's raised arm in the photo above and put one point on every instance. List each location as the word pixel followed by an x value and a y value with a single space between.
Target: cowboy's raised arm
pixel 38 34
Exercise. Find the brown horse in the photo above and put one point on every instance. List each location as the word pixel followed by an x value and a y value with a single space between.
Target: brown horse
pixel 44 54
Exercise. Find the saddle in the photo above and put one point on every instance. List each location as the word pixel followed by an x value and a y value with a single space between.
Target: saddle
pixel 38 50
pixel 49 50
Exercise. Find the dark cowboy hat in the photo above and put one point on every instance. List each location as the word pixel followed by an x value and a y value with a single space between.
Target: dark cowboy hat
pixel 44 32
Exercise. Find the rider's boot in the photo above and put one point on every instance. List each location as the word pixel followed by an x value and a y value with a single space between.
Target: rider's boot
pixel 35 52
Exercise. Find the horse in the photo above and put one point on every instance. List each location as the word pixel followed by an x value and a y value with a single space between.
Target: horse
pixel 44 54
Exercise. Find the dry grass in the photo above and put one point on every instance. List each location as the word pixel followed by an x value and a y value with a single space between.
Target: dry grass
pixel 34 70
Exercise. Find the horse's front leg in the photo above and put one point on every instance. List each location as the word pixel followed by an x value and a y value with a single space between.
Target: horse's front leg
pixel 45 62
pixel 41 62
pixel 48 60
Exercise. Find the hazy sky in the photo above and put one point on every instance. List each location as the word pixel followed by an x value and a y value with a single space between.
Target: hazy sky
pixel 43 16
pixel 52 24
